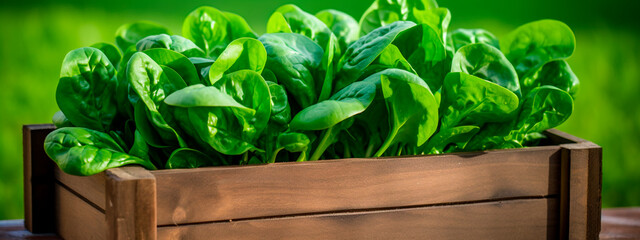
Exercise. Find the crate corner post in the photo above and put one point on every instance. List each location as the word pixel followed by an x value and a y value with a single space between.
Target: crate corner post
pixel 131 204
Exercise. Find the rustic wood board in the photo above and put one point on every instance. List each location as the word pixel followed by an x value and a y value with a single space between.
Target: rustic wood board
pixel 76 219
pixel 513 219
pixel 39 180
pixel 92 188
pixel 223 193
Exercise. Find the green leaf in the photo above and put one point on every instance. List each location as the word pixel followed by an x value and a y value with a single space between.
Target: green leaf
pixel 249 89
pixel 469 100
pixel 554 73
pixel 486 62
pixel 129 34
pixel 202 96
pixel 86 90
pixel 213 30
pixel 459 136
pixel 112 52
pixel 544 108
pixel 189 158
pixel 243 53
pixel 85 152
pixel 295 60
pixel 151 84
pixel 343 26
pixel 532 45
pixel 360 54
pixel 139 148
pixel 60 120
pixel 177 62
pixel 463 37
pixel 382 13
pixel 280 108
pixel 345 104
pixel 303 23
pixel 426 53
pixel 176 43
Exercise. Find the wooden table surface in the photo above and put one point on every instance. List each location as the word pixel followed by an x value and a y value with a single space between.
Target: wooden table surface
pixel 617 223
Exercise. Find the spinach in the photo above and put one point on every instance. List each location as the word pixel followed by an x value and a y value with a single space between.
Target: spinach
pixel 314 87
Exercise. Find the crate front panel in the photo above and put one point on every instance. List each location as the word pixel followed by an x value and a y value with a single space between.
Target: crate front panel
pixel 231 193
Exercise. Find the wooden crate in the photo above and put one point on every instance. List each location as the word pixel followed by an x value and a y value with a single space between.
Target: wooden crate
pixel 547 192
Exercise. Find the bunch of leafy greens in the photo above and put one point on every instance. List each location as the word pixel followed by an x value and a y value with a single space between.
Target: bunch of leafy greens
pixel 313 87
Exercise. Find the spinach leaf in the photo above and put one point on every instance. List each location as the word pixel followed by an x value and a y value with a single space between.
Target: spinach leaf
pixel 544 108
pixel 532 45
pixel 364 51
pixel 128 35
pixel 382 13
pixel 280 108
pixel 463 37
pixel 112 52
pixel 295 60
pixel 85 152
pixel 470 101
pixel 555 73
pixel 426 53
pixel 486 62
pixel 343 26
pixel 151 84
pixel 243 53
pixel 175 42
pixel 326 115
pixel 86 90
pixel 177 62
pixel 302 23
pixel 212 30
pixel 411 108
pixel 189 158
pixel 60 120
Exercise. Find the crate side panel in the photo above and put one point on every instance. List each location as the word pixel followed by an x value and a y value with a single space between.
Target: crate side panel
pixel 91 188
pixel 76 219
pixel 585 183
pixel 514 219
pixel 214 194
pixel 39 191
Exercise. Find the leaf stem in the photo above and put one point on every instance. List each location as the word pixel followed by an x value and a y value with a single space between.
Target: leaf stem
pixel 324 144
pixel 387 143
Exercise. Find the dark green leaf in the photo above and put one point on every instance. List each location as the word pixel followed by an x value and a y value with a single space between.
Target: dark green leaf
pixel 85 152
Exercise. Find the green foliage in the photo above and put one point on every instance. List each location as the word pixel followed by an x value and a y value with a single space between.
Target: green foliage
pixel 51 31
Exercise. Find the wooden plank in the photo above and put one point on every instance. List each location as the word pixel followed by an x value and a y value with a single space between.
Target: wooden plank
pixel 92 188
pixel 620 223
pixel 558 137
pixel 76 219
pixel 223 193
pixel 131 203
pixel 585 183
pixel 514 219
pixel 39 180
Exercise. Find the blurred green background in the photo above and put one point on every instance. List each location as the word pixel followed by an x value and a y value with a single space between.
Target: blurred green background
pixel 36 35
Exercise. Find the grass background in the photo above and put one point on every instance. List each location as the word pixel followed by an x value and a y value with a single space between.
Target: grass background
pixel 36 35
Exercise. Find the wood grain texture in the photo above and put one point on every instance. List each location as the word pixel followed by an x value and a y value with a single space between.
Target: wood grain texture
pixel 620 223
pixel 76 219
pixel 223 193
pixel 131 204
pixel 585 183
pixel 92 188
pixel 514 219
pixel 38 180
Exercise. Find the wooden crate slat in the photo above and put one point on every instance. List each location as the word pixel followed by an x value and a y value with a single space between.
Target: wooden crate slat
pixel 91 188
pixel 131 203
pixel 585 183
pixel 77 219
pixel 213 194
pixel 514 219
pixel 39 180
